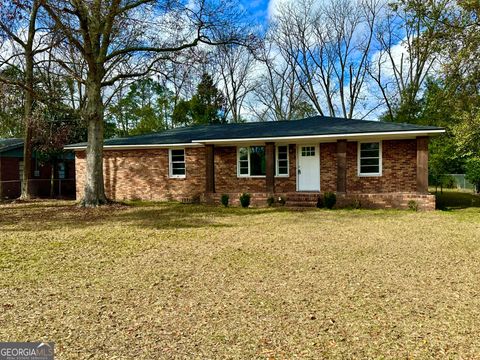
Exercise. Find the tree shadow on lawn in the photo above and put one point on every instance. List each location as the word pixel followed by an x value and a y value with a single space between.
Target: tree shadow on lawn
pixel 182 216
pixel 55 216
pixel 456 200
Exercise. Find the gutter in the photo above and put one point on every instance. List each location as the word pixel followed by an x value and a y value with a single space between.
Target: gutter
pixel 328 136
pixel 139 146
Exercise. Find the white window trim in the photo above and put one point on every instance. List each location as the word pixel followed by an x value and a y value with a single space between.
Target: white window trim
pixel 170 168
pixel 277 159
pixel 262 176
pixel 380 159
pixel 238 163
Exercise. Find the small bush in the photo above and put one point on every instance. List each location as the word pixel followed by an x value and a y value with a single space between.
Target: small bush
pixel 282 200
pixel 196 199
pixel 329 199
pixel 225 199
pixel 320 202
pixel 413 205
pixel 245 200
pixel 356 204
pixel 270 200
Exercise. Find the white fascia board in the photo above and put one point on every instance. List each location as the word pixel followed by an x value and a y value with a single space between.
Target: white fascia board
pixel 394 134
pixel 133 147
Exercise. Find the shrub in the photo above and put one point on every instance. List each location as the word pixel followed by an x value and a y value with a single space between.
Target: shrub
pixel 282 200
pixel 356 204
pixel 319 202
pixel 196 199
pixel 225 199
pixel 245 200
pixel 270 200
pixel 413 205
pixel 329 199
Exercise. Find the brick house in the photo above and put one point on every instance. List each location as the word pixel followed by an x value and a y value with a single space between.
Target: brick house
pixel 376 163
pixel 11 168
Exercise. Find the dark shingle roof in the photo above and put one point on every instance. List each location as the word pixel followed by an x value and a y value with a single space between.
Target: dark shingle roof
pixel 9 144
pixel 317 125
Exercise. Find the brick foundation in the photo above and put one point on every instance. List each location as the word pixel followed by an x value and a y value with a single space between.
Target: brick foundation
pixel 387 201
pixel 363 201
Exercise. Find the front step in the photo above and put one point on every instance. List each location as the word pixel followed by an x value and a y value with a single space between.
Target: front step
pixel 300 204
pixel 301 200
pixel 293 200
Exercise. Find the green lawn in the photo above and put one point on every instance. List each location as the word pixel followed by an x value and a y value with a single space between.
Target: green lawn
pixel 164 281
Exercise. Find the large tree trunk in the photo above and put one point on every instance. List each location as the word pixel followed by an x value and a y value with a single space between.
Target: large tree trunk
pixel 94 186
pixel 28 113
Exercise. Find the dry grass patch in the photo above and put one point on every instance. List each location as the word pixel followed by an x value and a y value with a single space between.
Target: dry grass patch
pixel 186 281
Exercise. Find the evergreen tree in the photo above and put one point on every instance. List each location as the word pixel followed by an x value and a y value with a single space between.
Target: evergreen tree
pixel 146 108
pixel 207 105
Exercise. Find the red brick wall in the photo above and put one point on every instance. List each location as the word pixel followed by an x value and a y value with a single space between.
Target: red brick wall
pixel 80 172
pixel 328 167
pixel 399 161
pixel 143 174
pixel 399 173
pixel 227 181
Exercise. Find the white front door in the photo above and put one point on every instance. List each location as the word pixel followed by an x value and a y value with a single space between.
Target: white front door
pixel 308 168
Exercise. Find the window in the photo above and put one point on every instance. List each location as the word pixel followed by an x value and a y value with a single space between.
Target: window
pixel 282 160
pixel 257 160
pixel 251 161
pixel 308 150
pixel 177 163
pixel 370 159
pixel 243 161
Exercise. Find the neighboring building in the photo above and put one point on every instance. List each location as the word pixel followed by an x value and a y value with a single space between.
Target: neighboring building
pixel 379 164
pixel 11 168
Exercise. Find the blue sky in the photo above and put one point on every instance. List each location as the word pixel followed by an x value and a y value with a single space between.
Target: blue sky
pixel 258 9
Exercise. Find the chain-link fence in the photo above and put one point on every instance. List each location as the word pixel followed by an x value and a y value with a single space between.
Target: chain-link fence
pixel 452 181
pixel 461 182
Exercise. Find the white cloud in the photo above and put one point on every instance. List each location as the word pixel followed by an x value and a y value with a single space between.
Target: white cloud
pixel 274 5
